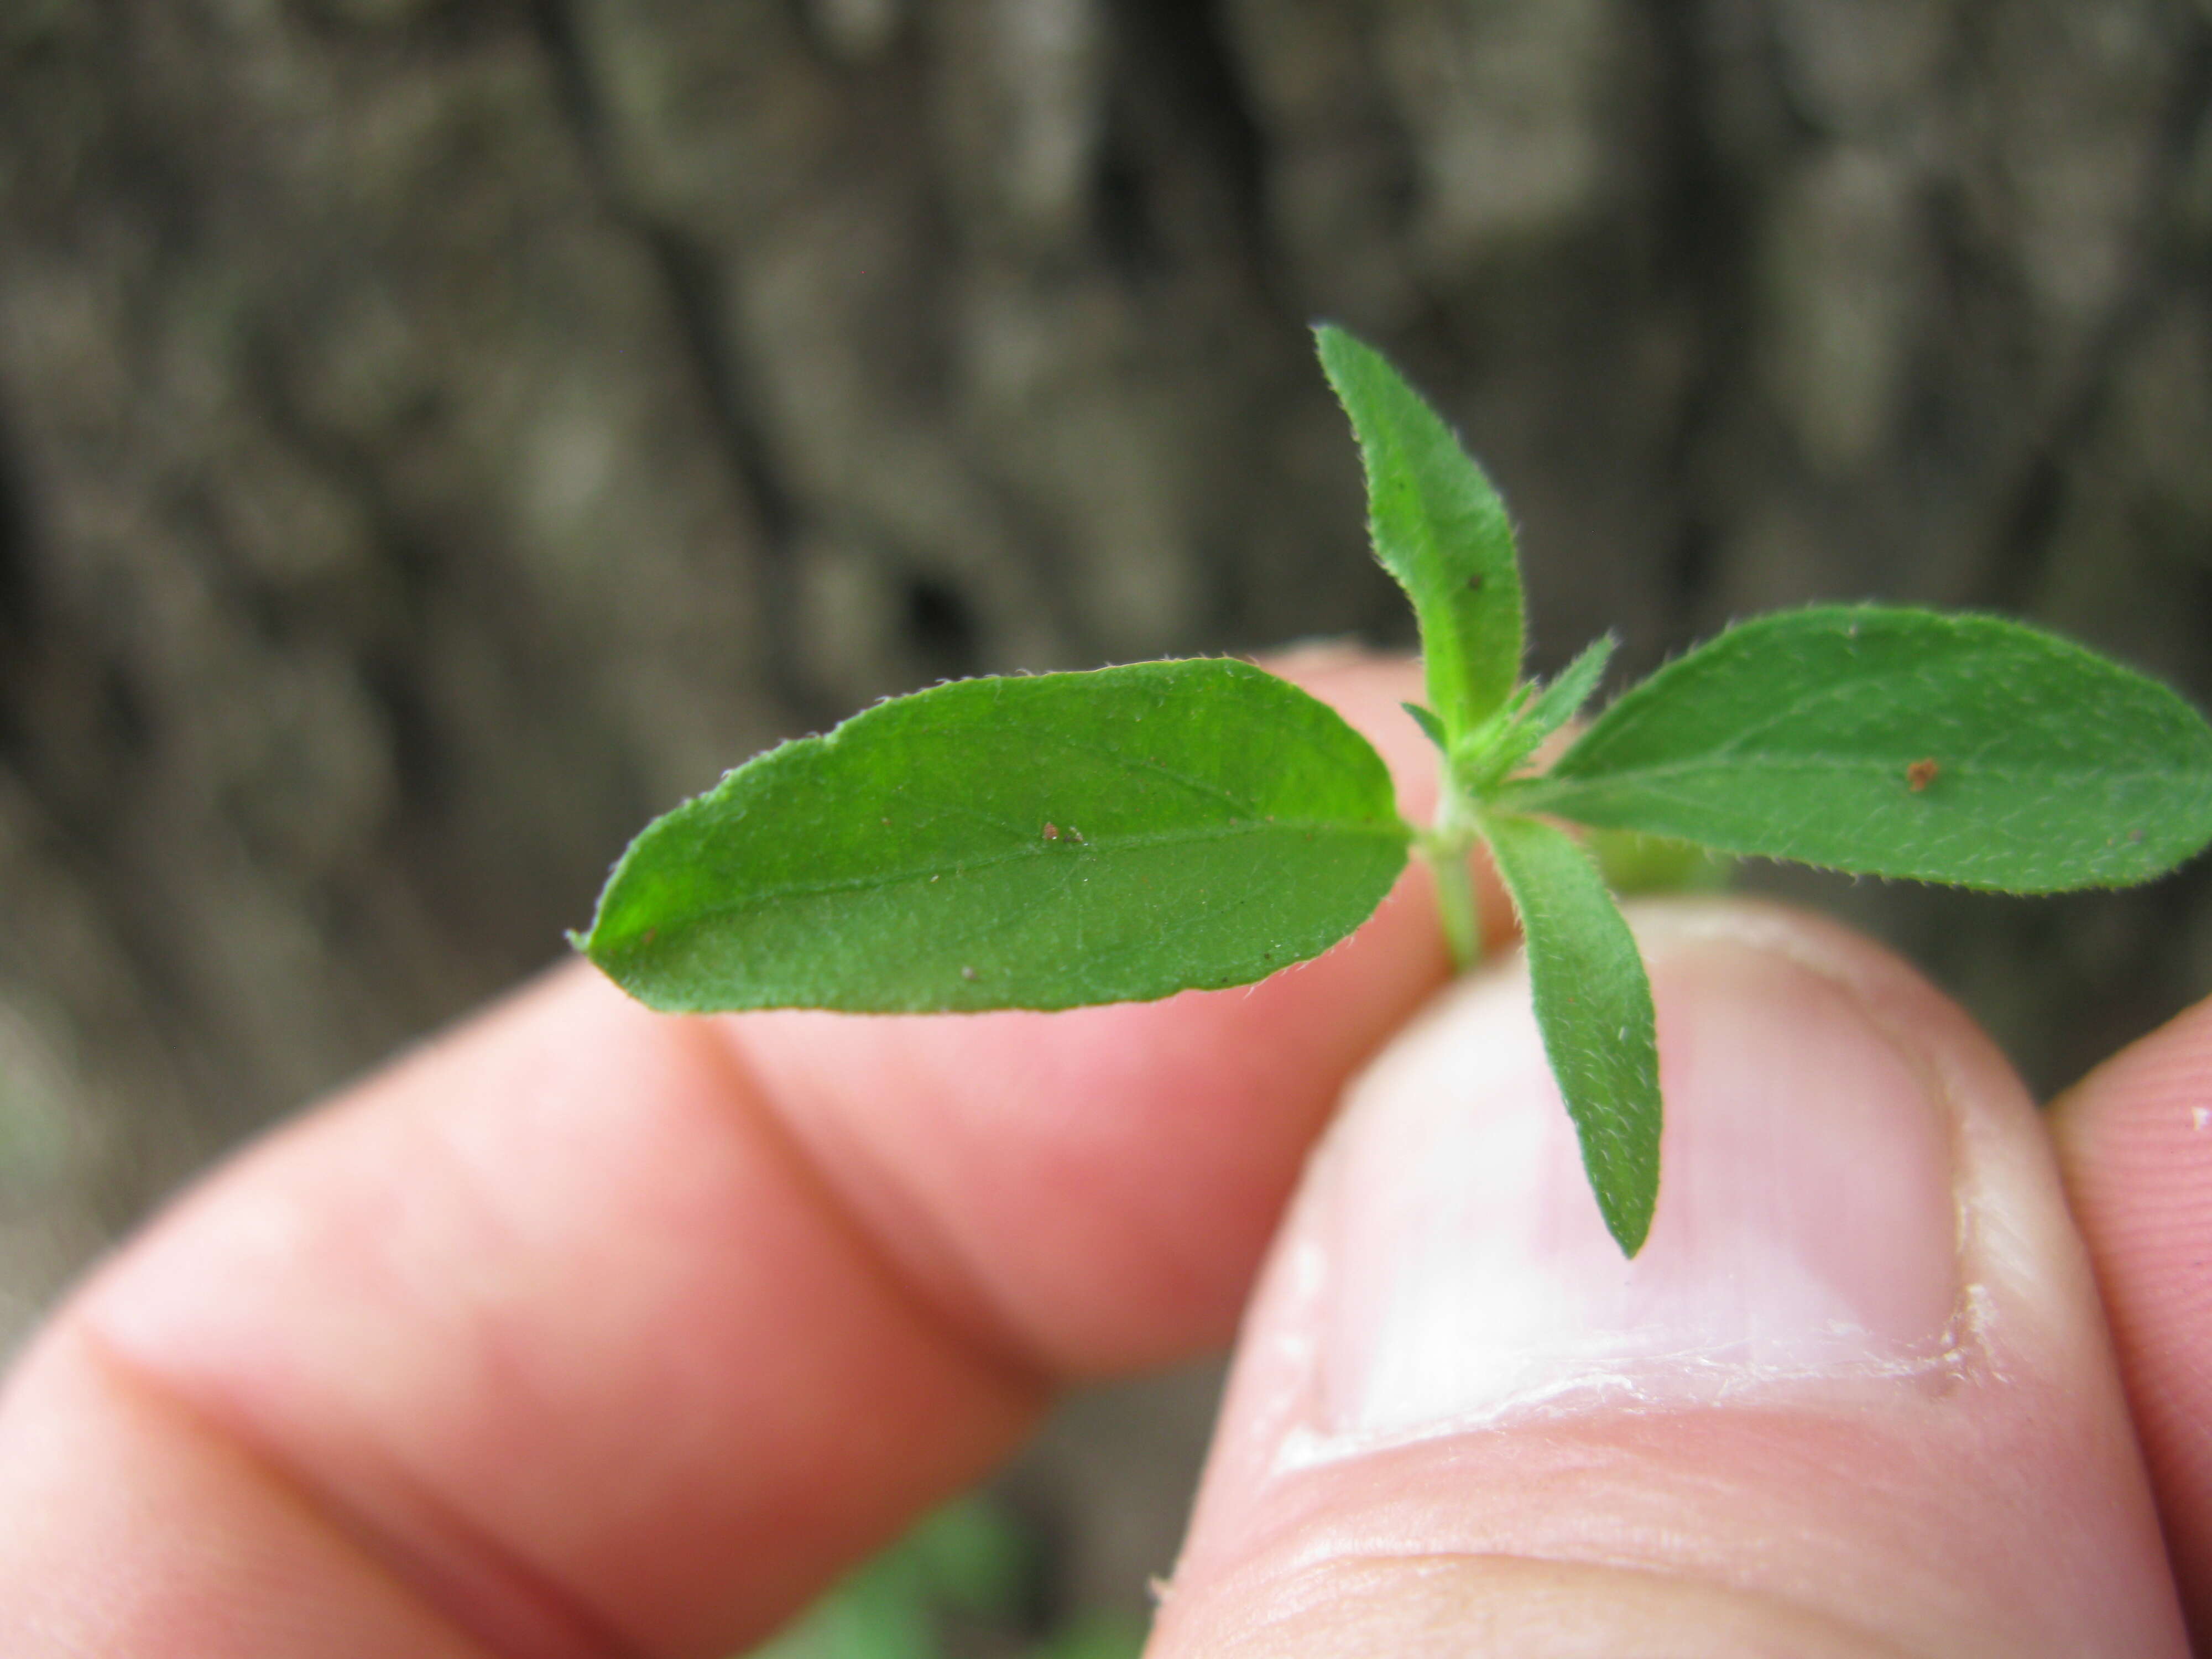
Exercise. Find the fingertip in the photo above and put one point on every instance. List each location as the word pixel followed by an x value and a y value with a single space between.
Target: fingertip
pixel 2135 1144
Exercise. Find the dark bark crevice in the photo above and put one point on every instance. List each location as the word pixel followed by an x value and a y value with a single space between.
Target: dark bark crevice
pixel 1183 45
pixel 691 283
pixel 18 540
pixel 2016 558
pixel 1701 237
pixel 691 279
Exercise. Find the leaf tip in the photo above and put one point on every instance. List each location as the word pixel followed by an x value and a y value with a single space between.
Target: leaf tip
pixel 1630 1224
pixel 1429 725
pixel 1345 358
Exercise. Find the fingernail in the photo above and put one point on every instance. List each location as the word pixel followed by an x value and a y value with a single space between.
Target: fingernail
pixel 1457 1265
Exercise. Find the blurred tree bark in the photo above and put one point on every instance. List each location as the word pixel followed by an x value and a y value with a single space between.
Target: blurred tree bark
pixel 435 435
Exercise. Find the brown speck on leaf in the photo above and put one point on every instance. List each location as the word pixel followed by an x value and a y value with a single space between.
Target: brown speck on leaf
pixel 1475 583
pixel 648 936
pixel 1920 775
pixel 2134 837
pixel 966 973
pixel 1052 832
pixel 887 824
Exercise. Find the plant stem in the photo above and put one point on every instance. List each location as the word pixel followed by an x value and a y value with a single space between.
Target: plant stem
pixel 1445 845
pixel 1455 900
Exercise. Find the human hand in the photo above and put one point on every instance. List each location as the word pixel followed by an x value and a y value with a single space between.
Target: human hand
pixel 586 1332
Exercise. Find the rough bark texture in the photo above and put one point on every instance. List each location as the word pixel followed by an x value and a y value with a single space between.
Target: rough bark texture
pixel 434 436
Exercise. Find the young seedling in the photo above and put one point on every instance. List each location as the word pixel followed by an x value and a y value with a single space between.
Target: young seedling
pixel 1123 835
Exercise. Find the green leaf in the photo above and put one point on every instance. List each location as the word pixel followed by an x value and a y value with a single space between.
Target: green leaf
pixel 1431 726
pixel 971 1555
pixel 1439 528
pixel 1633 862
pixel 1518 731
pixel 1594 1006
pixel 1959 749
pixel 967 1557
pixel 1014 843
pixel 1562 699
pixel 1095 1633
pixel 874 1614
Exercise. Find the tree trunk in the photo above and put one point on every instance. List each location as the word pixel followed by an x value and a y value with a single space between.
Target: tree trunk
pixel 435 436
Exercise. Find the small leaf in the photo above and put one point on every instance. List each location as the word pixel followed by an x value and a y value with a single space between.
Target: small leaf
pixel 1095 1633
pixel 1034 842
pixel 1518 731
pixel 966 1557
pixel 1563 698
pixel 1439 528
pixel 1594 1006
pixel 971 1555
pixel 1430 725
pixel 1959 749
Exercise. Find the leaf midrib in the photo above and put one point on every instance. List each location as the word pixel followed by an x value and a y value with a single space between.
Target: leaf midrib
pixel 1854 688
pixel 1561 784
pixel 761 896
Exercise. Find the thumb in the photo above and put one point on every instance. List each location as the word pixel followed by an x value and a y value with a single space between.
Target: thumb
pixel 1853 1398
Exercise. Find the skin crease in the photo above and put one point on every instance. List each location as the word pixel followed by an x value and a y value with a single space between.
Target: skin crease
pixel 583 1332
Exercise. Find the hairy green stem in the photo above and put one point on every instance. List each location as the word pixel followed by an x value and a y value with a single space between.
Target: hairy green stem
pixel 1445 847
pixel 1455 900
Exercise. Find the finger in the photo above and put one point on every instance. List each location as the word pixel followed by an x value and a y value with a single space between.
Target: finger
pixel 1853 1398
pixel 597 1332
pixel 2135 1142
